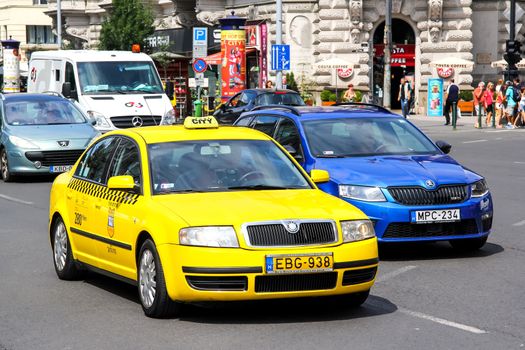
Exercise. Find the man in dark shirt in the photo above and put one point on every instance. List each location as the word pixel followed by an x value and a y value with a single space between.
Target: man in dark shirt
pixel 452 96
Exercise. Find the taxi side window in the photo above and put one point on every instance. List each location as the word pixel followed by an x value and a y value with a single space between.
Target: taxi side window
pixel 94 163
pixel 265 124
pixel 126 162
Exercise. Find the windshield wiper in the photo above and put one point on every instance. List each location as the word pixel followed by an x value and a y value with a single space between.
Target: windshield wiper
pixel 259 187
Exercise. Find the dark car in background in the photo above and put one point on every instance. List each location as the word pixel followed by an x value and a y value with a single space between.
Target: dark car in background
pixel 246 100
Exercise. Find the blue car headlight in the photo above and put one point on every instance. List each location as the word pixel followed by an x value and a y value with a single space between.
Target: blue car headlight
pixel 479 188
pixel 362 193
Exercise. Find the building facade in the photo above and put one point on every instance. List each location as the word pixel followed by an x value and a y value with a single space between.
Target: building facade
pixel 352 30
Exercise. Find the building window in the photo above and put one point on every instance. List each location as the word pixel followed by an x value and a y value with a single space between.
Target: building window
pixel 40 35
pixel 39 2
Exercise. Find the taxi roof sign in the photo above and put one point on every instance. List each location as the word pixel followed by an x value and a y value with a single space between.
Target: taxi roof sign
pixel 200 123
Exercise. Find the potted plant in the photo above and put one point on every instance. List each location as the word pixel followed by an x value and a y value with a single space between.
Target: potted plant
pixel 466 102
pixel 327 98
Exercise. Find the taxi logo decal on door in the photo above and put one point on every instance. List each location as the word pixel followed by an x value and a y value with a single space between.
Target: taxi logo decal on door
pixel 103 192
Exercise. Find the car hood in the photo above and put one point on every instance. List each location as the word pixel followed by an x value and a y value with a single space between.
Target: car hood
pixel 44 136
pixel 238 207
pixel 126 105
pixel 399 170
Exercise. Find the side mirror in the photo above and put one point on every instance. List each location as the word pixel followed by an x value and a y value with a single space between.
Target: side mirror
pixel 121 182
pixel 319 175
pixel 444 146
pixel 66 89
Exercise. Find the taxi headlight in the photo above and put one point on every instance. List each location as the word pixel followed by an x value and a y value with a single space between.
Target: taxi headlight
pixel 479 188
pixel 357 230
pixel 169 117
pixel 22 143
pixel 363 193
pixel 209 236
pixel 101 120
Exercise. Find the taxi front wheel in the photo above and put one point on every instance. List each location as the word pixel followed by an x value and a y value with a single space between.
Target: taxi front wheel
pixel 65 266
pixel 152 285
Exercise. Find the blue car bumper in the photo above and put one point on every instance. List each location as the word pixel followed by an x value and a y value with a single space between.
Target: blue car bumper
pixel 397 223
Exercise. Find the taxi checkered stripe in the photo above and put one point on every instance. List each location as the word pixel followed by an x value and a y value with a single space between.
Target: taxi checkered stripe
pixel 103 192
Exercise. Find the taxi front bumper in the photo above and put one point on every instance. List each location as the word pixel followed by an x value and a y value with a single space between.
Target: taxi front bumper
pixel 227 274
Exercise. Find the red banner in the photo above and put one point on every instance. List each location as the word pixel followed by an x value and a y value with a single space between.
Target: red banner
pixel 233 71
pixel 402 55
pixel 263 57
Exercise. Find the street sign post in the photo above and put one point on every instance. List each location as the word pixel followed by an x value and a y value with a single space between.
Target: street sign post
pixel 280 57
pixel 199 65
pixel 200 50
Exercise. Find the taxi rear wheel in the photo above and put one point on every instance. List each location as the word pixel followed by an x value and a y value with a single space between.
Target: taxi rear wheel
pixel 468 245
pixel 152 285
pixel 65 266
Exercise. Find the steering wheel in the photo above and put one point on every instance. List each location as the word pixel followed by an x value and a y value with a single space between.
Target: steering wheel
pixel 380 147
pixel 254 173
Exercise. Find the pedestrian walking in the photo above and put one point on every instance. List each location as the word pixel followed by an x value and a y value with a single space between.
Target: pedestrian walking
pixel 452 96
pixel 500 106
pixel 512 101
pixel 499 85
pixel 404 96
pixel 269 84
pixel 349 95
pixel 479 98
pixel 520 118
pixel 489 102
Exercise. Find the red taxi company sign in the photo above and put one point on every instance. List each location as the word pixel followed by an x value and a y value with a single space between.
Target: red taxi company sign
pixel 345 72
pixel 402 55
pixel 445 72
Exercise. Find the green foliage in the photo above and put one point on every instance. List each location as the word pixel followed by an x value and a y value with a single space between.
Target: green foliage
pixel 129 22
pixel 333 97
pixel 466 96
pixel 325 95
pixel 291 84
pixel 358 96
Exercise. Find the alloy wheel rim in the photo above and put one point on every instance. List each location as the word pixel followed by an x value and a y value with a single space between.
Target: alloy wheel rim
pixel 147 279
pixel 4 165
pixel 60 251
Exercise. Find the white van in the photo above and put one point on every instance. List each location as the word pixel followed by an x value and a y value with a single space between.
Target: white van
pixel 118 89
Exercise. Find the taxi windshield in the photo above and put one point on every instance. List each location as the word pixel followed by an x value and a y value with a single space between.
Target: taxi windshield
pixel 222 165
pixel 360 137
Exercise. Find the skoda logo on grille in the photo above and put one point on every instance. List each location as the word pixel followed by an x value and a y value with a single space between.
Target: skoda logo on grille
pixel 430 184
pixel 291 226
pixel 63 143
pixel 136 121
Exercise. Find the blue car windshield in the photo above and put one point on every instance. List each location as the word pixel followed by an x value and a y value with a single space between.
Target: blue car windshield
pixel 42 112
pixel 359 137
pixel 222 165
pixel 118 78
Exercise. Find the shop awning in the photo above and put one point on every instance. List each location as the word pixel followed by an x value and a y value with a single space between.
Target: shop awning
pixel 216 57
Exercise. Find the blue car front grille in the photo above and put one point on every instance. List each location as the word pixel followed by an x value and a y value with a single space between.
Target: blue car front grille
pixel 409 230
pixel 421 196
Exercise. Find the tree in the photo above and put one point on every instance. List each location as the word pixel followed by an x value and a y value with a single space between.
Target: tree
pixel 290 82
pixel 129 22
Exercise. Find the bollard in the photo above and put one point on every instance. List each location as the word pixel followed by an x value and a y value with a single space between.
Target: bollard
pixel 480 125
pixel 197 108
pixel 454 114
pixel 494 109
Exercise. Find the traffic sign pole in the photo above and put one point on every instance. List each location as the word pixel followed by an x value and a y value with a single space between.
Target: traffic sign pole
pixel 279 38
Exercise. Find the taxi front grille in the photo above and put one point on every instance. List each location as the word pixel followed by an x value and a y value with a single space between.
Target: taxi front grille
pixel 406 230
pixel 421 196
pixel 295 283
pixel 131 121
pixel 276 234
pixel 49 158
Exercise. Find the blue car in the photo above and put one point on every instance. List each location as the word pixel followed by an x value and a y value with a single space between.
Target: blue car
pixel 41 134
pixel 381 163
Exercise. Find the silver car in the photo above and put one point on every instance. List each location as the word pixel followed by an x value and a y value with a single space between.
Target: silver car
pixel 41 134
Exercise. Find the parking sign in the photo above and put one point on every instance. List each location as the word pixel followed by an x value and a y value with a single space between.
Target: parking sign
pixel 200 36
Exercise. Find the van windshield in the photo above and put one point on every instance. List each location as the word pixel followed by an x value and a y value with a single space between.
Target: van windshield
pixel 118 78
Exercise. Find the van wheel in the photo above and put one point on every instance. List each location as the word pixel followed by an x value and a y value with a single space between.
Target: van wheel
pixel 468 245
pixel 4 167
pixel 152 285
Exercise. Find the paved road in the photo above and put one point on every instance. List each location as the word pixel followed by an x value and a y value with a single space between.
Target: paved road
pixel 426 297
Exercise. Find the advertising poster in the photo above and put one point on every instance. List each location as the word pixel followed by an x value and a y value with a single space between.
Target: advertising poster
pixel 435 97
pixel 263 57
pixel 233 71
pixel 11 66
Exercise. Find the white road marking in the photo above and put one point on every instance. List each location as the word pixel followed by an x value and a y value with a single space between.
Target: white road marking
pixel 15 199
pixel 460 326
pixel 520 223
pixel 394 273
pixel 475 141
pixel 519 162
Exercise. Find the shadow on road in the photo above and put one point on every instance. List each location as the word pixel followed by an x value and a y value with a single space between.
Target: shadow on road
pixel 431 251
pixel 257 312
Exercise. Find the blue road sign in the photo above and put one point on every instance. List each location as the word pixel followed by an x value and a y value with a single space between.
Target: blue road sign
pixel 200 36
pixel 199 65
pixel 280 57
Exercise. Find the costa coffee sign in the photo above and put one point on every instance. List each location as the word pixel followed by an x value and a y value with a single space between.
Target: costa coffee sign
pixel 345 72
pixel 445 72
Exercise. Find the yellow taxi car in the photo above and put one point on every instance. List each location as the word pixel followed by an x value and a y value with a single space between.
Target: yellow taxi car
pixel 206 213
